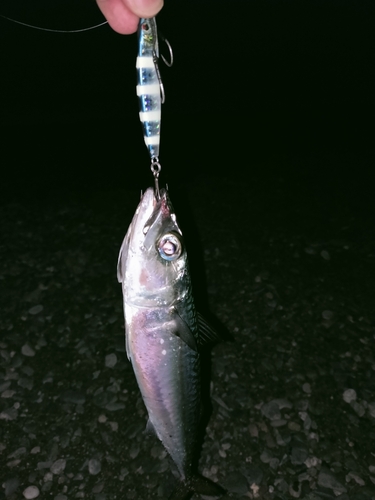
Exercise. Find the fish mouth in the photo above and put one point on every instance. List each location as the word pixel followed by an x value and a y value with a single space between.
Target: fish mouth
pixel 150 216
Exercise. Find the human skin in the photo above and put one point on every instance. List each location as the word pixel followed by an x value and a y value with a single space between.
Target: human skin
pixel 123 15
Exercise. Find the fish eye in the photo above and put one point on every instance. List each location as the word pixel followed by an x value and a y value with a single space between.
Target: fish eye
pixel 169 247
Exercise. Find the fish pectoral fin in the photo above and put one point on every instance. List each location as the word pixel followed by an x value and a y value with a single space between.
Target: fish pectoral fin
pixel 183 331
pixel 207 334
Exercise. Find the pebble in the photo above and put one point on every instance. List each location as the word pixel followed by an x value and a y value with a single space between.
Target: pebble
pixel 358 408
pixel 9 414
pixel 36 309
pixel 271 411
pixel 306 388
pixel 357 479
pixel 328 480
pixel 31 492
pixel 27 350
pixel 8 394
pixel 325 255
pixel 26 383
pixel 58 466
pixel 349 395
pixel 327 314
pixel 75 397
pixel 94 466
pixel 11 486
pixel 235 482
pixel 110 360
pixel 253 429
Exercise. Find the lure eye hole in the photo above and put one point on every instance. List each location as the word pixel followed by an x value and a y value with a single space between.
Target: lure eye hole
pixel 169 247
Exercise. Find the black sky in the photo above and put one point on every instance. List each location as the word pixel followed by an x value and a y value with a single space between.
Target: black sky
pixel 252 80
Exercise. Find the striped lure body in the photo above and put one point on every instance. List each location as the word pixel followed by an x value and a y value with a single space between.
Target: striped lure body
pixel 148 84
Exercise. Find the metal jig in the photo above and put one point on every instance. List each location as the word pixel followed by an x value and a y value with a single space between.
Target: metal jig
pixel 150 90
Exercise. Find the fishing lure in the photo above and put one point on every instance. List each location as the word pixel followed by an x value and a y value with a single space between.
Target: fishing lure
pixel 150 90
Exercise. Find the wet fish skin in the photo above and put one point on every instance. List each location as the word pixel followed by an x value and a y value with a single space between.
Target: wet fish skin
pixel 162 332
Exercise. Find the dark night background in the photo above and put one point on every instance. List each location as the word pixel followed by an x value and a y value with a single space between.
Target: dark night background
pixel 267 145
pixel 282 87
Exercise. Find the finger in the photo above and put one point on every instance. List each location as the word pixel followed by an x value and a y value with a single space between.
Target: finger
pixel 144 8
pixel 119 16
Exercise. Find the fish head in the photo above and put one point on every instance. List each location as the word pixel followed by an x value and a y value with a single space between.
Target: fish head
pixel 153 262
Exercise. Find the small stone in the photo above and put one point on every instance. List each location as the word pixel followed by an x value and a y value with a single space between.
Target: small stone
pixel 253 474
pixel 235 482
pixel 325 255
pixel 26 383
pixel 36 309
pixel 11 485
pixel 114 406
pixel 98 488
pixel 327 315
pixel 27 350
pixel 134 450
pixel 94 466
pixel 31 492
pixel 312 462
pixel 305 417
pixel 278 423
pixel 9 414
pixel 58 466
pixel 266 457
pixel 358 408
pixel 75 397
pixel 253 429
pixel 357 479
pixel 298 455
pixel 110 360
pixel 60 496
pixel 44 465
pixel 349 395
pixel 8 394
pixel 293 426
pixel 306 388
pixel 328 480
pixel 271 411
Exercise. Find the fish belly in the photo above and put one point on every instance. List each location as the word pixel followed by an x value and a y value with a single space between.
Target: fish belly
pixel 168 374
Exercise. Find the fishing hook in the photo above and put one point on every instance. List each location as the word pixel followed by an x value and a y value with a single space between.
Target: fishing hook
pixel 155 169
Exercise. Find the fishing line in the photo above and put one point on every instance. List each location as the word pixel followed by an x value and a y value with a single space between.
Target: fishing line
pixel 54 31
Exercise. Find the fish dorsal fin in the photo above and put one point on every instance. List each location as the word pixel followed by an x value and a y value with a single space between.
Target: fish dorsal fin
pixel 207 334
pixel 183 331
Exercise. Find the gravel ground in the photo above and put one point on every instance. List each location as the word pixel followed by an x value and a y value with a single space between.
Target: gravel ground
pixel 289 272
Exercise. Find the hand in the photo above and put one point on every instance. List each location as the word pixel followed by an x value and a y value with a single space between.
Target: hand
pixel 123 15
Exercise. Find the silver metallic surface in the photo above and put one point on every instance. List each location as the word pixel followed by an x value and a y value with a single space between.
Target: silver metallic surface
pixel 161 325
pixel 149 85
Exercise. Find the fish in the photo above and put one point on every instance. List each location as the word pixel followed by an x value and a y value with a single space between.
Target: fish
pixel 164 333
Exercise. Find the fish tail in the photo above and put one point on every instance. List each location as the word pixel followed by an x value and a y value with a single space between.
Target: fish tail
pixel 196 484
